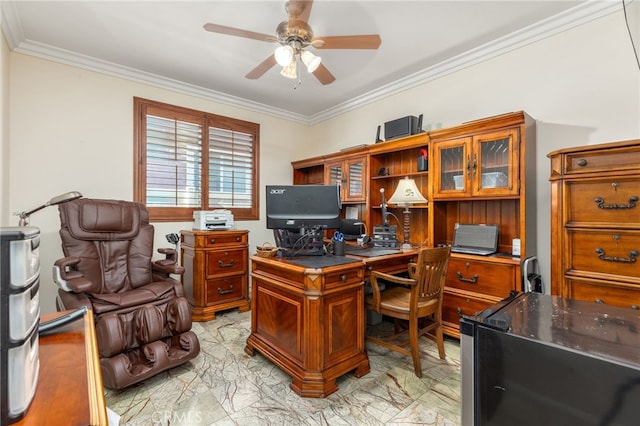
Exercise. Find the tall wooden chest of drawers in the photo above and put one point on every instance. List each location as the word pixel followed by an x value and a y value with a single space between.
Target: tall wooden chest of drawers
pixel 595 223
pixel 216 271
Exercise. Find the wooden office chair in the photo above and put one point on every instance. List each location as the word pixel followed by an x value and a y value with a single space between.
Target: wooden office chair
pixel 417 299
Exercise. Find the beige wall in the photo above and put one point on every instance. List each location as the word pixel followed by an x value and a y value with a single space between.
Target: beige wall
pixel 4 129
pixel 71 129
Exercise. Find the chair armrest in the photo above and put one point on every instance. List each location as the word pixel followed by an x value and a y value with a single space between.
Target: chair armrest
pixel 375 275
pixel 68 278
pixel 169 265
pixel 411 268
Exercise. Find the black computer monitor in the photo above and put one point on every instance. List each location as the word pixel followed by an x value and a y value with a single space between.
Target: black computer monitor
pixel 299 207
pixel 299 214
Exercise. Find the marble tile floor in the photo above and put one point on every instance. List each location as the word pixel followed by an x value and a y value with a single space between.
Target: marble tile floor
pixel 225 386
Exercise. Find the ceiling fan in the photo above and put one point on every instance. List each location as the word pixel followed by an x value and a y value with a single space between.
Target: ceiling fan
pixel 294 36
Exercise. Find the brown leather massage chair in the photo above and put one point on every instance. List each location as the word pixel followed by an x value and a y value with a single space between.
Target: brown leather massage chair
pixel 142 318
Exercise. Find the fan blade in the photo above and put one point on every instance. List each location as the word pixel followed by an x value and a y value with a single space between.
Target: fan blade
pixel 263 67
pixel 299 10
pixel 323 75
pixel 365 41
pixel 237 32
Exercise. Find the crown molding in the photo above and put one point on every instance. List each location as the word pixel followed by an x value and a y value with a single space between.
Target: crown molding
pixel 591 10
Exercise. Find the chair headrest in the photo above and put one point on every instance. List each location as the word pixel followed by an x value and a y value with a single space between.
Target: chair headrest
pixel 90 219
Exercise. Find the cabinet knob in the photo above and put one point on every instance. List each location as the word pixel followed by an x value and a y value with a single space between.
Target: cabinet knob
pixel 636 307
pixel 582 162
pixel 343 277
pixel 212 240
pixel 459 310
pixel 599 301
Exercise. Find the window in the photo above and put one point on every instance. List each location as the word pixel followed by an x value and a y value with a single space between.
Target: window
pixel 187 160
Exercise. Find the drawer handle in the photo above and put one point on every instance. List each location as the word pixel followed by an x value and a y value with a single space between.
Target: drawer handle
pixel 343 277
pixel 221 291
pixel 600 202
pixel 635 307
pixel 212 241
pixel 633 254
pixel 471 280
pixel 226 265
pixel 599 301
pixel 459 311
pixel 582 162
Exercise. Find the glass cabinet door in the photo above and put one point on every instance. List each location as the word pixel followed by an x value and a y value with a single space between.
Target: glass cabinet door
pixel 495 163
pixel 350 175
pixel 355 185
pixel 334 174
pixel 453 162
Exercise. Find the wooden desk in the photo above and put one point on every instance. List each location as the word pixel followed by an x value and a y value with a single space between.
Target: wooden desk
pixel 70 390
pixel 309 321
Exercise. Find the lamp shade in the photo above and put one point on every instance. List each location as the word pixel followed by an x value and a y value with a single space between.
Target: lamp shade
pixel 311 61
pixel 290 71
pixel 284 55
pixel 407 193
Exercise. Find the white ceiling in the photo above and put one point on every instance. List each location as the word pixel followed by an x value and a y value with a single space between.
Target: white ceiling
pixel 164 43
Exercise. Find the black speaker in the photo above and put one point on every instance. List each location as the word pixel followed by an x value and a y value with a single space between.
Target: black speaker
pixel 401 127
pixel 419 126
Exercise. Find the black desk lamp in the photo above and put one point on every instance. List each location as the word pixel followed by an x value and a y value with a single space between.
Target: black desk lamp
pixel 59 199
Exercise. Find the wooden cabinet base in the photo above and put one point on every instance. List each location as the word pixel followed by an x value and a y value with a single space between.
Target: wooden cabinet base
pixel 310 322
pixel 208 313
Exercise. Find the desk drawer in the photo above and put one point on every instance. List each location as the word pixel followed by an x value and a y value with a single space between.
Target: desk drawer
pixel 612 252
pixel 224 289
pixel 595 161
pixel 224 262
pixel 610 201
pixel 488 278
pixel 609 293
pixel 220 239
pixel 455 305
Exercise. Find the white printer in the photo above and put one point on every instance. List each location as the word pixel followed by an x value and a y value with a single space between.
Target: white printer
pixel 210 220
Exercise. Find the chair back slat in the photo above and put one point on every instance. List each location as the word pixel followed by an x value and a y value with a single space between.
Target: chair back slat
pixel 431 272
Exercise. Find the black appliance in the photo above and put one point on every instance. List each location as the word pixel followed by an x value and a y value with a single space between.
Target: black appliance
pixel 535 359
pixel 401 127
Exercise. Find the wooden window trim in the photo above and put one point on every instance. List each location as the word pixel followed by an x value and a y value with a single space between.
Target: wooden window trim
pixel 185 214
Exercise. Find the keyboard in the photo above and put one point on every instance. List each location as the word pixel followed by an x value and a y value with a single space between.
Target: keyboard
pixel 472 250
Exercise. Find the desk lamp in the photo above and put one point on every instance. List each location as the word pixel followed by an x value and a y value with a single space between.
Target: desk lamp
pixel 59 199
pixel 406 195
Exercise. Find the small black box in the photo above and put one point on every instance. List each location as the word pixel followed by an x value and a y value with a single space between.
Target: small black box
pixel 404 126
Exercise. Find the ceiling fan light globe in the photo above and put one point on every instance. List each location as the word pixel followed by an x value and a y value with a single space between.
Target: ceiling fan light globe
pixel 311 61
pixel 284 55
pixel 290 71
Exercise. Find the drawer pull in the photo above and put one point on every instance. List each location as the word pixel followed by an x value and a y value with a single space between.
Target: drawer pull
pixel 582 162
pixel 212 241
pixel 599 301
pixel 226 265
pixel 635 307
pixel 632 203
pixel 343 277
pixel 633 254
pixel 221 291
pixel 459 311
pixel 471 280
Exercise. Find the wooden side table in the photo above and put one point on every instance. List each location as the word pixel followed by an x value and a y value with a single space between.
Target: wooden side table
pixel 216 271
pixel 70 389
